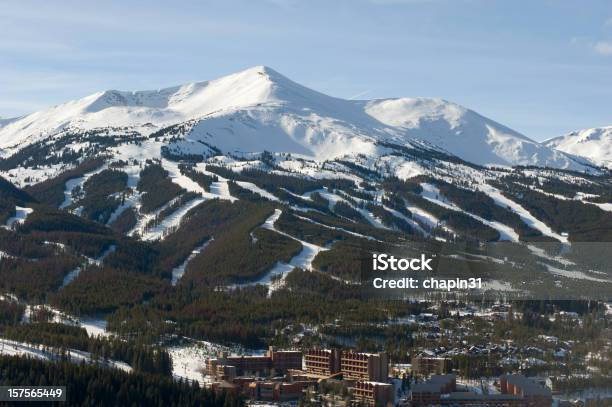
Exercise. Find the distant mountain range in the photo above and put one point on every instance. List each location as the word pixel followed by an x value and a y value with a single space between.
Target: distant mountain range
pixel 242 179
pixel 259 109
pixel 594 144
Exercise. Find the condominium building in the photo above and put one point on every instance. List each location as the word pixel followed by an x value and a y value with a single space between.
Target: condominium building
pixel 371 394
pixel 364 366
pixel 276 391
pixel 284 360
pixel 322 362
pixel 531 392
pixel 426 366
pixel 515 391
pixel 430 392
pixel 272 363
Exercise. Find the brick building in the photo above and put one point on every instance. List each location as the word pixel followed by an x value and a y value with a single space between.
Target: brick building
pixel 426 366
pixel 276 391
pixel 431 391
pixel 515 391
pixel 373 394
pixel 353 365
pixel 532 393
pixel 322 362
pixel 272 363
pixel 364 366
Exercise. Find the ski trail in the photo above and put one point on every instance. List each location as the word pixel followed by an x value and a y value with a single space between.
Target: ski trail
pixel 523 213
pixel 72 183
pixel 432 194
pixel 97 261
pixel 178 272
pixel 275 277
pixel 21 214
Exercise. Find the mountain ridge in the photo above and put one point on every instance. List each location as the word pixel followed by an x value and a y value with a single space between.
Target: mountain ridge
pixel 594 143
pixel 260 109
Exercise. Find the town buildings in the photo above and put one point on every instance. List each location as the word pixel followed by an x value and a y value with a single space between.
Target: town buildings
pixel 323 362
pixel 283 375
pixel 426 366
pixel 274 362
pixel 364 366
pixel 371 393
pixel 515 391
pixel 352 365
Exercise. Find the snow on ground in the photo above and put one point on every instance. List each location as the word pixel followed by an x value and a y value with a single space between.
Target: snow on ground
pixel 178 272
pixel 170 222
pixel 5 255
pixel 580 197
pixel 71 276
pixel 333 199
pixel 73 183
pixel 93 326
pixel 423 216
pixel 571 273
pixel 594 143
pixel 334 228
pixel 15 348
pixel 150 150
pixel 98 261
pixel 218 189
pixel 309 251
pixel 602 206
pixel 410 221
pixel 189 360
pixel 304 165
pixel 259 109
pixel 406 169
pixel 184 181
pixel 221 190
pixel 432 194
pixel 24 176
pixel 523 213
pixel 21 215
pixel 497 285
pixel 540 252
pixel 275 277
pixel 131 199
pixel 144 218
pixel 255 189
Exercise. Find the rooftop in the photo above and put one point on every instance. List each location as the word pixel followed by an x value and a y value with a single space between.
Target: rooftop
pixel 527 386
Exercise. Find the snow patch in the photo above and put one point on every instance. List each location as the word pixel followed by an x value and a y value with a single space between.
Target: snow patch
pixel 21 214
pixel 178 272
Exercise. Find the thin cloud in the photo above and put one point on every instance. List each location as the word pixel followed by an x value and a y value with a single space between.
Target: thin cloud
pixel 603 47
pixel 358 95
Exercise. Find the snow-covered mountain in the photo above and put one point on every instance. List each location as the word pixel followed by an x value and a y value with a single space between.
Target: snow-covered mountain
pixel 166 165
pixel 259 109
pixel 595 144
pixel 5 121
pixel 465 133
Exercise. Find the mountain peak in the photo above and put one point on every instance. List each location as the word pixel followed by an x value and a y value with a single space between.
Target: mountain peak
pixel 594 143
pixel 249 86
pixel 262 70
pixel 241 110
pixel 411 112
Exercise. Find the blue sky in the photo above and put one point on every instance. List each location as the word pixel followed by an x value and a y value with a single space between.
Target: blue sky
pixel 542 67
